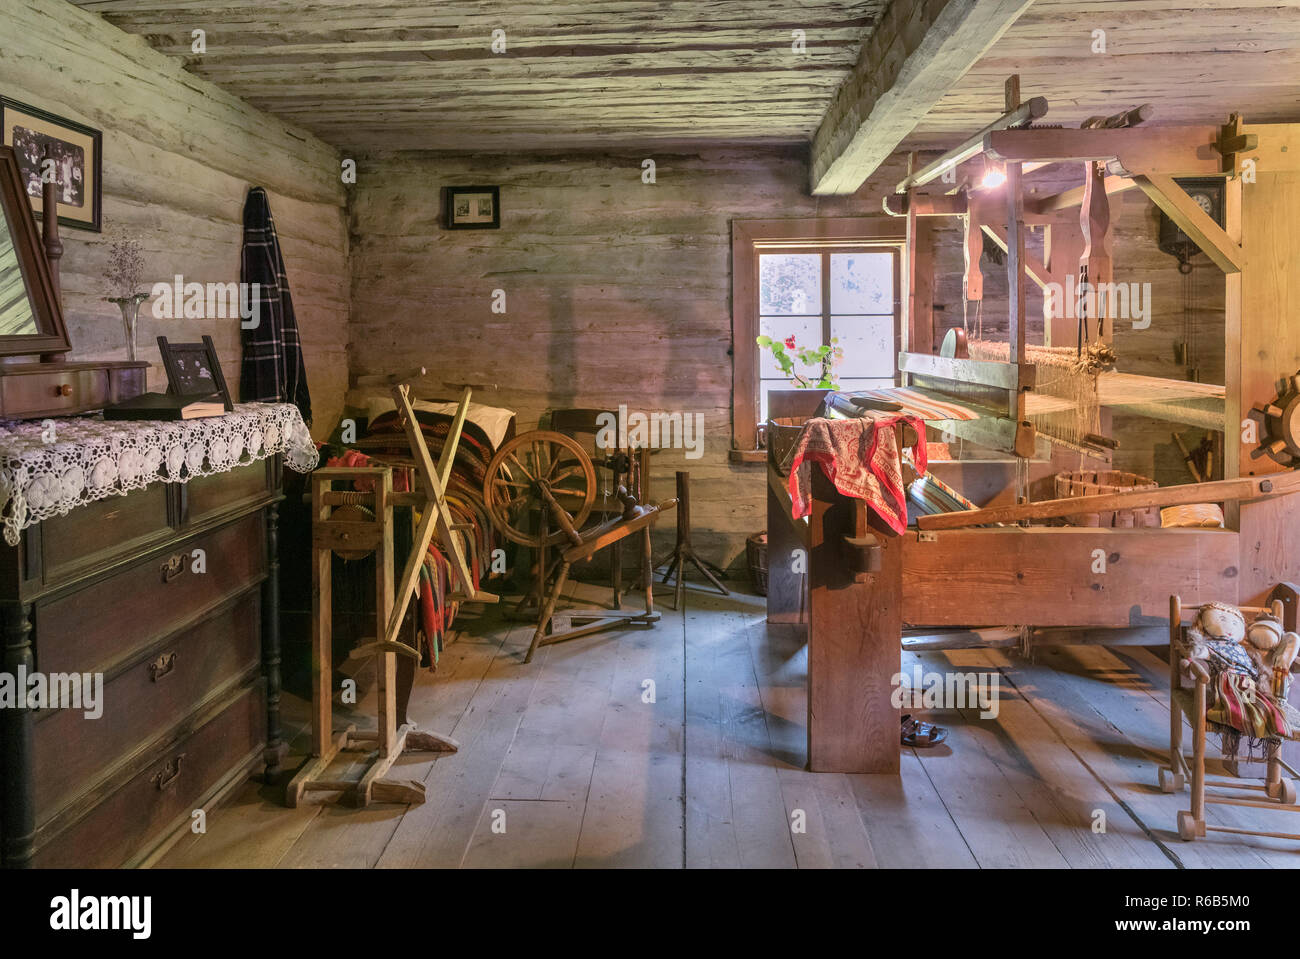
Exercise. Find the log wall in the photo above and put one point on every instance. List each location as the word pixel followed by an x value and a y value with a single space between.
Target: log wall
pixel 616 291
pixel 178 158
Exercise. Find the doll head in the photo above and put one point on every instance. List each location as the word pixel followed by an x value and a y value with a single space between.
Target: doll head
pixel 1219 621
pixel 1265 632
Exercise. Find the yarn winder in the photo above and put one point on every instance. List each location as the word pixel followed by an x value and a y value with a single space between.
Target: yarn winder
pixel 353 523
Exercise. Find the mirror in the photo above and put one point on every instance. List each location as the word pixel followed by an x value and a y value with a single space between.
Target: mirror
pixel 31 317
pixel 17 314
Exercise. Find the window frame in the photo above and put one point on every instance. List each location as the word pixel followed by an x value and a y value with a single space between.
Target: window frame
pixel 751 237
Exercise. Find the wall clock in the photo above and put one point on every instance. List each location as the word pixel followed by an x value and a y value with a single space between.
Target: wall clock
pixel 1208 193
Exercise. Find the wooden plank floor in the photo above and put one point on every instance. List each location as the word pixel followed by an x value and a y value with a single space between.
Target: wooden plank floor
pixel 684 745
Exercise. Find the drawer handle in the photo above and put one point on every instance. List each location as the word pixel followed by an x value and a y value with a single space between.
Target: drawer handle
pixel 63 389
pixel 161 666
pixel 167 775
pixel 174 566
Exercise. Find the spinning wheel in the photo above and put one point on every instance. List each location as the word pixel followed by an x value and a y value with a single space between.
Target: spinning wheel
pixel 551 475
pixel 544 472
pixel 1279 426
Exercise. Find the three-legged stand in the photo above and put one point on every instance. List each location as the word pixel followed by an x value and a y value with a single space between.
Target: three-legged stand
pixel 683 552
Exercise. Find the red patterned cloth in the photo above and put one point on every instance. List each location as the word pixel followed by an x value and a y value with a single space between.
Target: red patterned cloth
pixel 862 458
pixel 354 459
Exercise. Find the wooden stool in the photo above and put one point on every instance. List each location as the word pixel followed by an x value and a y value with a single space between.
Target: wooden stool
pixel 683 551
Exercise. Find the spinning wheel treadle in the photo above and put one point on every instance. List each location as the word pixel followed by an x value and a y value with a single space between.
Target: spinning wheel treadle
pixel 540 472
pixel 547 478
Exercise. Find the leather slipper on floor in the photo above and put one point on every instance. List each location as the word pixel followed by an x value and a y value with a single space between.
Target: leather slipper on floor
pixel 921 735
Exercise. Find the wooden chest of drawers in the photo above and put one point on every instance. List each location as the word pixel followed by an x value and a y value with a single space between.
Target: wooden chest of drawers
pixel 170 595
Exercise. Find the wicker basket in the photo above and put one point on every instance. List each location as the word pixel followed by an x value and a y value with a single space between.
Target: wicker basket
pixel 1098 482
pixel 756 555
pixel 782 434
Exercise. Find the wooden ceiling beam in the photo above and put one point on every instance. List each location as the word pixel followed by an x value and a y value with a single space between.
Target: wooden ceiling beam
pixel 1176 150
pixel 916 54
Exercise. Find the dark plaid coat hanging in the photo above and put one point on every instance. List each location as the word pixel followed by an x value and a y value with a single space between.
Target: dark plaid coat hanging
pixel 273 370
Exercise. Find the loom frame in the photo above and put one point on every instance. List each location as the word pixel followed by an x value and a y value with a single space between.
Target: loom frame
pixel 1040 579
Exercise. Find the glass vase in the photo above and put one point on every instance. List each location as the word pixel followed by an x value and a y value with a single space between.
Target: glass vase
pixel 130 307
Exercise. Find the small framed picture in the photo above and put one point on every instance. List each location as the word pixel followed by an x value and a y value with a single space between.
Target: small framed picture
pixel 472 207
pixel 52 146
pixel 193 370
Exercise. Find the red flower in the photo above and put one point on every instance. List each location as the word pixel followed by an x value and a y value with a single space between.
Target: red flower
pixel 789 342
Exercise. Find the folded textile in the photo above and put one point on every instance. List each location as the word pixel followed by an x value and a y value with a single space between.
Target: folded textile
pixel 1239 702
pixel 861 457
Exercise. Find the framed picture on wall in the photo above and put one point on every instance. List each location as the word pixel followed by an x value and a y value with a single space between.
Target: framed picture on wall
pixel 70 152
pixel 472 207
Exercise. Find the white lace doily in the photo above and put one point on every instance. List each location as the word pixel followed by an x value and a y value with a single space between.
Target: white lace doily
pixel 50 467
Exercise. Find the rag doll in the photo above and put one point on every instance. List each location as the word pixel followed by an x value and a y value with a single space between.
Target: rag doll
pixel 1249 667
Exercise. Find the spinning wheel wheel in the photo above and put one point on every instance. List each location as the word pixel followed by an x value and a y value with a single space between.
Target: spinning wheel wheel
pixel 540 471
pixel 1279 426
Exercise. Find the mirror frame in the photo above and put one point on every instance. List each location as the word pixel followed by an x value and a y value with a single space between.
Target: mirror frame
pixel 21 221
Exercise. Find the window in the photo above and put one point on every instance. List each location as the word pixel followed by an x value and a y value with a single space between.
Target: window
pixel 835 294
pixel 816 280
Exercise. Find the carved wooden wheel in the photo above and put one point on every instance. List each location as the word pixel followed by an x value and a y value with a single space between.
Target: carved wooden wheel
pixel 535 472
pixel 1279 426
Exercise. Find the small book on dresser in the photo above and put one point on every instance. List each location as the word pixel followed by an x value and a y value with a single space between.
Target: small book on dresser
pixel 166 406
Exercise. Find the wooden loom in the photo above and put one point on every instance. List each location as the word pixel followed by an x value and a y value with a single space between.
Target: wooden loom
pixel 337 531
pixel 1041 579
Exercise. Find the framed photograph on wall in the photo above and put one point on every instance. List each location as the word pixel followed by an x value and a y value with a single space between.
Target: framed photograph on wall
pixel 193 370
pixel 472 207
pixel 75 154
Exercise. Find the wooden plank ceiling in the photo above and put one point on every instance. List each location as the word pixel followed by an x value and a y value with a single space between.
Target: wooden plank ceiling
pixel 617 74
pixel 399 74
pixel 1195 60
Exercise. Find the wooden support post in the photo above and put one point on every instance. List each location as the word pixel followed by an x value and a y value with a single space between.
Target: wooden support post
pixel 1016 292
pixel 1198 759
pixel 385 660
pixel 787 580
pixel 855 641
pixel 322 629
pixel 918 331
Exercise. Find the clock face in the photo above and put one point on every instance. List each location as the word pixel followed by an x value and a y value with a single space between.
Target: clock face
pixel 1205 202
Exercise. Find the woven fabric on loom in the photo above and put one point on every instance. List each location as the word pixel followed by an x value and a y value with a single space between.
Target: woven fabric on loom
pixel 1079 414
pixel 922 404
